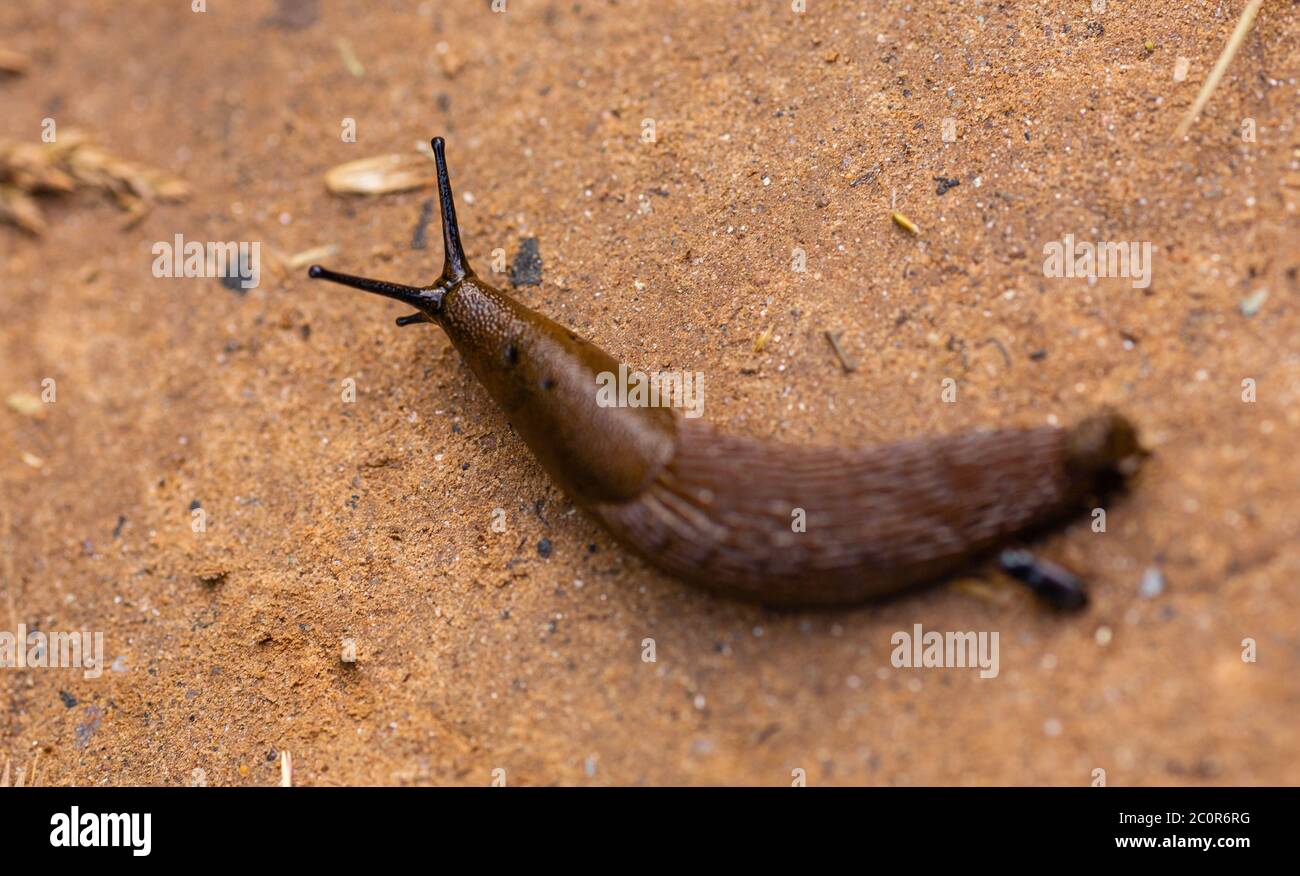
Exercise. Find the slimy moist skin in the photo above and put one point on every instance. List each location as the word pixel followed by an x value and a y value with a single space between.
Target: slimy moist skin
pixel 717 509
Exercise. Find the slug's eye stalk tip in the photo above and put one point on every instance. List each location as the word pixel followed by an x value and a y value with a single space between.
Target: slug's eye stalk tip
pixel 315 271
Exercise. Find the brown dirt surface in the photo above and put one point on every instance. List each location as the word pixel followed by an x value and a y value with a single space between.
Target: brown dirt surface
pixel 774 130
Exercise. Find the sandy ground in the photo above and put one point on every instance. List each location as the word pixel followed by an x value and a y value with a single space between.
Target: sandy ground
pixel 774 130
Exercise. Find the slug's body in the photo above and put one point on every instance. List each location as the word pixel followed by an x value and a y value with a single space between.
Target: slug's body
pixel 780 525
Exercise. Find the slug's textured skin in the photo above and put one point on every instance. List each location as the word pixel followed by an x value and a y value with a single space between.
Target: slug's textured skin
pixel 721 510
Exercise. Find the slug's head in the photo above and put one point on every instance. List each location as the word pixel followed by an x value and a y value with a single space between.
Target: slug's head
pixel 427 300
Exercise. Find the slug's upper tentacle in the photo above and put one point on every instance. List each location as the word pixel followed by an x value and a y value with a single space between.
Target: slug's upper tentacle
pixel 455 265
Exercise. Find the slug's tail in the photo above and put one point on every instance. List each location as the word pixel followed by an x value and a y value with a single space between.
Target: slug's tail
pixel 427 300
pixel 801 526
pixel 1104 447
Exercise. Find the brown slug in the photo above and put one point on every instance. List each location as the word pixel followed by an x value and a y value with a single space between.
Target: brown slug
pixel 720 510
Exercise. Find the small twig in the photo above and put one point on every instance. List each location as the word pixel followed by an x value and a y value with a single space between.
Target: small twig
pixel 1220 66
pixel 845 362
pixel 1006 357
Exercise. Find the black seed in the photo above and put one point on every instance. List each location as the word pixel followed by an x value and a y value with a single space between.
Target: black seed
pixel 544 548
pixel 68 699
pixel 945 183
pixel 1058 586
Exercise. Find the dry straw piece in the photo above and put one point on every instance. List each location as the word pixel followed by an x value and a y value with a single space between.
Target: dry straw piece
pixel 18 208
pixel 286 770
pixel 71 163
pixel 25 778
pixel 1220 67
pixel 14 63
pixel 904 223
pixel 308 256
pixel 381 175
pixel 26 404
pixel 349 57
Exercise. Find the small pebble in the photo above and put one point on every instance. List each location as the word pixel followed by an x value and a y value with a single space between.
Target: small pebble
pixel 1251 304
pixel 945 183
pixel 1152 584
